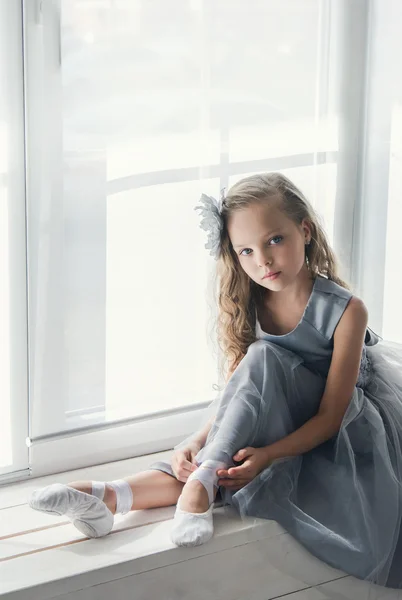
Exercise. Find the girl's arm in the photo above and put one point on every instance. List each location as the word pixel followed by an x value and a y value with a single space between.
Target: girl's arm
pixel 341 381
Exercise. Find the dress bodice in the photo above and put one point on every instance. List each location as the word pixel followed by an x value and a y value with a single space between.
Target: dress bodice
pixel 312 338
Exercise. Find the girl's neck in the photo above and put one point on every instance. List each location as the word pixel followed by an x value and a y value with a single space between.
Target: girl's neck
pixel 298 292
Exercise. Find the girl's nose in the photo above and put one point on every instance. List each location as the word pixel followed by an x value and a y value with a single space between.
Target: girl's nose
pixel 264 260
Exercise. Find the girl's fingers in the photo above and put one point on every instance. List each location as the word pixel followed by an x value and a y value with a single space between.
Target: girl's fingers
pixel 183 464
pixel 185 469
pixel 186 465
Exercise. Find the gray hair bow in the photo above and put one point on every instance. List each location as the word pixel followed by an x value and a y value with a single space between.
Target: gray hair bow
pixel 212 221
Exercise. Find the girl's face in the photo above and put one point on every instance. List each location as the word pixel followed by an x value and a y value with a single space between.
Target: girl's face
pixel 266 241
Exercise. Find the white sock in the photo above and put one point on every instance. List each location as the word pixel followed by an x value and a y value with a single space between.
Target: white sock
pixel 193 529
pixel 87 512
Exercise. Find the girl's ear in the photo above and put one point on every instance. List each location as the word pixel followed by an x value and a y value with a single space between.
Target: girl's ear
pixel 306 226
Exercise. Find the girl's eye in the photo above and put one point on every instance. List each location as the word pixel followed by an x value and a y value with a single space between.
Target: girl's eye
pixel 272 242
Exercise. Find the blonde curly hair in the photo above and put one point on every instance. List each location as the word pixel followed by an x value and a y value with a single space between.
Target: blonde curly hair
pixel 238 295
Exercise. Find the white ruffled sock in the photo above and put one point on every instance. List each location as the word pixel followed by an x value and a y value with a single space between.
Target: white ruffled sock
pixel 194 529
pixel 87 512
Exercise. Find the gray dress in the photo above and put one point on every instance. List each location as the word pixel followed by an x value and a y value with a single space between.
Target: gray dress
pixel 342 500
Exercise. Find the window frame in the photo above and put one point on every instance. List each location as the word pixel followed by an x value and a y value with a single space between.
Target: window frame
pixel 14 203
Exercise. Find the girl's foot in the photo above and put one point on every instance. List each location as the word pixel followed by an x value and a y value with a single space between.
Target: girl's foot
pixel 193 522
pixel 87 512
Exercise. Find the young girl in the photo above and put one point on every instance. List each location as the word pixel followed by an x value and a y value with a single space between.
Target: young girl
pixel 308 428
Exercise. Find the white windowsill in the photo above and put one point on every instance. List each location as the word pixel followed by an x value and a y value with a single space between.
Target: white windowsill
pixel 43 557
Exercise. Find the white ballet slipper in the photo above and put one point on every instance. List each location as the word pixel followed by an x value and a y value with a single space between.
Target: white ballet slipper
pixel 191 529
pixel 88 514
pixel 194 529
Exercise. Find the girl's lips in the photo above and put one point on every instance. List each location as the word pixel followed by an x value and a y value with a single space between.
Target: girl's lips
pixel 271 275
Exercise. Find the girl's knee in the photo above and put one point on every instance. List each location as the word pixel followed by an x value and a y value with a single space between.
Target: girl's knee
pixel 263 352
pixel 261 348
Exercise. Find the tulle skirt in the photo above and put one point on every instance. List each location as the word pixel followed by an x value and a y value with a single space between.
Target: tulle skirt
pixel 342 500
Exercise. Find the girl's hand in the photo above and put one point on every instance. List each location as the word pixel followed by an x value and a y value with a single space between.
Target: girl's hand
pixel 183 461
pixel 255 461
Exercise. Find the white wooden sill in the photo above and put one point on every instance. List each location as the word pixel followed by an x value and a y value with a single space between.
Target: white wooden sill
pixel 43 557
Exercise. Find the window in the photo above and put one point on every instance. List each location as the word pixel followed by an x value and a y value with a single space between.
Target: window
pixel 132 109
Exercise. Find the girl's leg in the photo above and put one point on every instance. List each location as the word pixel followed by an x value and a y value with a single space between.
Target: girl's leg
pixel 91 505
pixel 150 489
pixel 236 425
